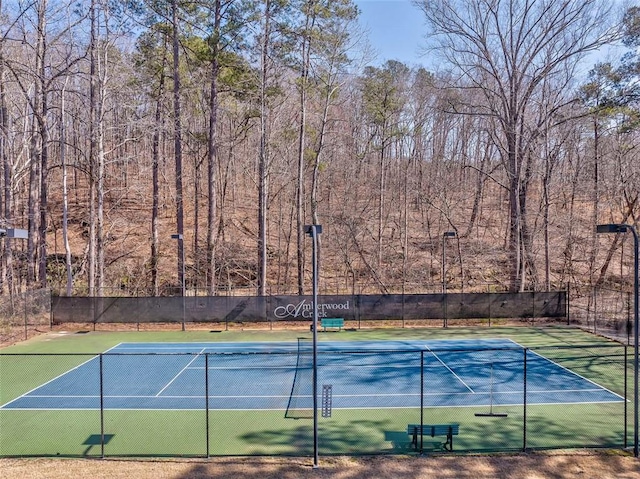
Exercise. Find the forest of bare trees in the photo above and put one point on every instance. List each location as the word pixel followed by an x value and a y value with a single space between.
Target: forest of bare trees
pixel 231 124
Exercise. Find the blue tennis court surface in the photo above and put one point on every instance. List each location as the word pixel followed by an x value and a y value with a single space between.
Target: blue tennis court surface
pixel 267 375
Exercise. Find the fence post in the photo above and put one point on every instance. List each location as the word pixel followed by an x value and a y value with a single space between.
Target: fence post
pixel 101 408
pixel 524 404
pixel 533 308
pixel 626 402
pixel 595 310
pixel 206 398
pixel 568 306
pixel 26 320
pixel 629 325
pixel 446 311
pixel 421 397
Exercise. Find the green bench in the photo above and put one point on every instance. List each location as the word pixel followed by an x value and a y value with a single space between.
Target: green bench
pixel 332 323
pixel 433 430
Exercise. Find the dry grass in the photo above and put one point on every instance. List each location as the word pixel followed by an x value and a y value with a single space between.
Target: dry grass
pixel 556 465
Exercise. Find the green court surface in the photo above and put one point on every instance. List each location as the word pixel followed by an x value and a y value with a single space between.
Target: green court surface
pixel 210 432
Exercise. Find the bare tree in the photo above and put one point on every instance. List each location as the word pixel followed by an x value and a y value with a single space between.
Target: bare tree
pixel 506 49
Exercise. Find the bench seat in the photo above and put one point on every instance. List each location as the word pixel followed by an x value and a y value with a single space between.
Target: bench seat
pixel 433 430
pixel 332 323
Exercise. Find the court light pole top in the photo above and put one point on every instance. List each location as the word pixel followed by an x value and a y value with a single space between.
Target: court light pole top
pixel 14 233
pixel 313 229
pixel 612 228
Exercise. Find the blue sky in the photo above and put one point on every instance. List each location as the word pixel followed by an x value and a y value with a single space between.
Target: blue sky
pixel 395 30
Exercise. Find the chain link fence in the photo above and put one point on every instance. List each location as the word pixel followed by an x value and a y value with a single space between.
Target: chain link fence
pixel 604 311
pixel 375 398
pixel 24 314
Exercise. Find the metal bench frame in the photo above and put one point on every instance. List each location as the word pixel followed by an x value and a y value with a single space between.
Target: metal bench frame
pixel 433 430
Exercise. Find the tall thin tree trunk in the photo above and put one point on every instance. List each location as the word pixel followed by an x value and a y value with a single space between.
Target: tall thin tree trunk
pixel 93 148
pixel 381 201
pixel 596 195
pixel 44 175
pixel 100 174
pixel 155 162
pixel 304 76
pixel 212 155
pixel 178 142
pixel 38 157
pixel 101 77
pixel 6 274
pixel 65 194
pixel 264 155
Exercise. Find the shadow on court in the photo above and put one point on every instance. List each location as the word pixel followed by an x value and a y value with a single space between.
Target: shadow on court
pixel 96 440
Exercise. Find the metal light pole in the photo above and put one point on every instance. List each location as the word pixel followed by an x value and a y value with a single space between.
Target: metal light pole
pixel 314 231
pixel 623 228
pixel 180 239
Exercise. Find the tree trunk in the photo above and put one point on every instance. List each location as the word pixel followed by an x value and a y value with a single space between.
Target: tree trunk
pixel 93 148
pixel 264 154
pixel 212 154
pixel 155 160
pixel 304 78
pixel 7 265
pixel 65 196
pixel 177 141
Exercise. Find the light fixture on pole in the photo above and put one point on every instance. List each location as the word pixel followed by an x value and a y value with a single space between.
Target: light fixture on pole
pixel 181 270
pixel 314 231
pixel 14 233
pixel 623 228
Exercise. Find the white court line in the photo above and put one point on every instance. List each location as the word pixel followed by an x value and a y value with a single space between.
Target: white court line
pixel 93 356
pixel 137 396
pixel 214 347
pixel 29 393
pixel 375 394
pixel 248 368
pixel 451 371
pixel 544 358
pixel 181 371
pixel 293 366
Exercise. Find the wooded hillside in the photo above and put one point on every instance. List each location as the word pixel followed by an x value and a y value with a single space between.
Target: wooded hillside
pixel 236 123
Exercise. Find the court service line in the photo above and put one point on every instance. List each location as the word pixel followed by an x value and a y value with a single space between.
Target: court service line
pixel 451 371
pixel 181 371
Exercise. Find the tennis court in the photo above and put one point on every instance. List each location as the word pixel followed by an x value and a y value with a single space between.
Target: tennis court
pixel 362 375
